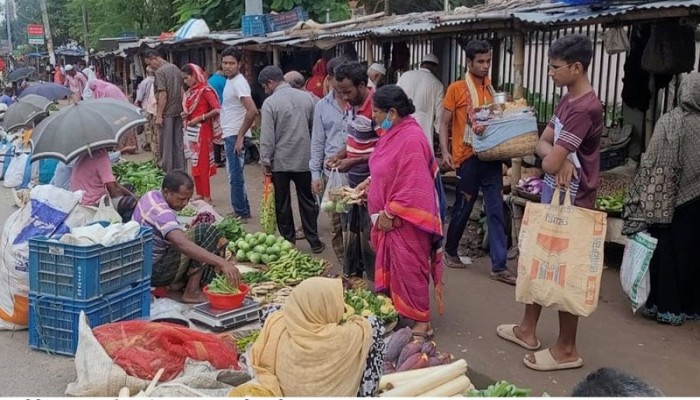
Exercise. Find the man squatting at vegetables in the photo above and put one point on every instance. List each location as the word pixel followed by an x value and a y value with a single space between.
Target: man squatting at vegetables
pixel 182 259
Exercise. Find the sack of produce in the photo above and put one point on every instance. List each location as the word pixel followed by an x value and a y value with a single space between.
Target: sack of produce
pixel 507 137
pixel 634 272
pixel 268 218
pixel 334 198
pixel 561 256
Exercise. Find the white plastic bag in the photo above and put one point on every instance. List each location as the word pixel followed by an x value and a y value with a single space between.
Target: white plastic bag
pixel 332 197
pixel 106 211
pixel 16 171
pixel 634 272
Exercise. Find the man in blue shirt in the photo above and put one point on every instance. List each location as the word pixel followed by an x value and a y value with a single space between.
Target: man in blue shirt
pixel 218 82
pixel 7 96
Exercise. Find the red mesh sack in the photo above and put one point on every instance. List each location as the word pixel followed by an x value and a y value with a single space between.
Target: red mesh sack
pixel 141 348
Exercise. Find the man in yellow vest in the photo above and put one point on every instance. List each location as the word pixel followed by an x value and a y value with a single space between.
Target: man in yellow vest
pixel 462 98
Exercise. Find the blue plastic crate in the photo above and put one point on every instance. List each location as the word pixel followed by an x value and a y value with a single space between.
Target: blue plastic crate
pixel 53 322
pixel 253 25
pixel 87 272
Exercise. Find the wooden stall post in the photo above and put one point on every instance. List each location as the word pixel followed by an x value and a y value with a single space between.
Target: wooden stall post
pixel 369 51
pixel 214 60
pixel 276 56
pixel 517 206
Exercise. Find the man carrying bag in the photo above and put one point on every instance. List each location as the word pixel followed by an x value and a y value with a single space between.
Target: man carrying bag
pixel 561 247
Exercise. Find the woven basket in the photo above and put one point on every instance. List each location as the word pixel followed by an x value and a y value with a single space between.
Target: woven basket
pixel 519 146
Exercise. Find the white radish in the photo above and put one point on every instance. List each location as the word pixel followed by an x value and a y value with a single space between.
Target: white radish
pixel 429 381
pixel 456 386
pixel 397 378
pixel 124 393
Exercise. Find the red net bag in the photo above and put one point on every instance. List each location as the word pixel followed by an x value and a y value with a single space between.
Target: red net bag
pixel 141 348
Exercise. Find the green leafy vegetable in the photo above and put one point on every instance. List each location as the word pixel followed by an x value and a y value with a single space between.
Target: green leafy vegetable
pixel 144 176
pixel 221 285
pixel 500 389
pixel 231 228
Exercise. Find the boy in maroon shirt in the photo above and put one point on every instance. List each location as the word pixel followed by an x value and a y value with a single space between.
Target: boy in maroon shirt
pixel 570 152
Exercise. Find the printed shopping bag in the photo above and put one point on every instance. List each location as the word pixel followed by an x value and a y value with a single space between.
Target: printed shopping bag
pixel 634 272
pixel 561 256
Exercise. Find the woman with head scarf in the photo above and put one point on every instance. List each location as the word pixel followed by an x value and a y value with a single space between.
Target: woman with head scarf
pixel 201 108
pixel 307 350
pixel 665 200
pixel 315 84
pixel 128 144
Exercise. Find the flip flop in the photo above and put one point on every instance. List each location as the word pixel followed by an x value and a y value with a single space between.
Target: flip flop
pixel 506 277
pixel 507 332
pixel 545 362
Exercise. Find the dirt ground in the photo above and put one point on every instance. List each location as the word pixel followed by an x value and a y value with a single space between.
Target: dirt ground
pixel 474 305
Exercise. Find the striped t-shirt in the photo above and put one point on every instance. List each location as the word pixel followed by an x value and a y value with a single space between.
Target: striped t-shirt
pixel 362 139
pixel 154 212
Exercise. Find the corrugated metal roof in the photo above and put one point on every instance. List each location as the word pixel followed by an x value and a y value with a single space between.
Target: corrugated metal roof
pixel 573 14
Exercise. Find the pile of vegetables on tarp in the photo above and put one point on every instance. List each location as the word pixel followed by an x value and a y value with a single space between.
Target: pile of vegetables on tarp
pixel 143 176
pixel 365 303
pixel 259 248
pixel 404 354
pixel 612 190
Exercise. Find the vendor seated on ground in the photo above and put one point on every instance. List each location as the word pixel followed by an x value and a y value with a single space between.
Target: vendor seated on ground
pixel 305 350
pixel 182 259
pixel 93 175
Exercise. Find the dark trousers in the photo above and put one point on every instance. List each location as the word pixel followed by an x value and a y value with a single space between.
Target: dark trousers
pixel 307 206
pixel 218 153
pixel 475 174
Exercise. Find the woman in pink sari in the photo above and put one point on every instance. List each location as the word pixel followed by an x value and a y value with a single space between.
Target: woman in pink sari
pixel 128 144
pixel 405 201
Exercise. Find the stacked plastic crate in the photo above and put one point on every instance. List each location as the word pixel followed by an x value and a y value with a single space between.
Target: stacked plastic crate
pixel 109 284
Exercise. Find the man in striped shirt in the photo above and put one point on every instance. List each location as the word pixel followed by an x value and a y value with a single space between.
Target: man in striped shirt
pixel 351 82
pixel 181 259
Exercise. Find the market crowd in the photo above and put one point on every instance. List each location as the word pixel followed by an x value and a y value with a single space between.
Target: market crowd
pixel 345 123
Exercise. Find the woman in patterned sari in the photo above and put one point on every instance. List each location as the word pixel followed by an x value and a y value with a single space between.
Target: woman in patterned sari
pixel 406 203
pixel 201 105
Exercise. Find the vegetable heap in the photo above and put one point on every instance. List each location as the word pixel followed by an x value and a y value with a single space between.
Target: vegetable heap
pixel 253 277
pixel 405 354
pixel 268 218
pixel 188 211
pixel 245 341
pixel 340 199
pixel 365 303
pixel 610 203
pixel 231 228
pixel 144 176
pixel 448 380
pixel 259 248
pixel 500 389
pixel 531 185
pixel 221 285
pixel 293 267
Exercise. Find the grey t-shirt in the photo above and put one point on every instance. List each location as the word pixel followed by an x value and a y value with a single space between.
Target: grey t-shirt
pixel 168 78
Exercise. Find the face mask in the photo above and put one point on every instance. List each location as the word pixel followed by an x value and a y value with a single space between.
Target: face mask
pixel 386 124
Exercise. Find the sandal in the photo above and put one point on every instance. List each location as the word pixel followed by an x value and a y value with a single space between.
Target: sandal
pixel 507 332
pixel 544 361
pixel 504 276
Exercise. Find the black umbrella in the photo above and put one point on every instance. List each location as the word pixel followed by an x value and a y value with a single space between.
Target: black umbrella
pixel 83 128
pixel 20 73
pixel 24 111
pixel 51 91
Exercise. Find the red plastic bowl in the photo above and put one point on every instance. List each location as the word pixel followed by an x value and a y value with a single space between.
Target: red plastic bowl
pixel 226 301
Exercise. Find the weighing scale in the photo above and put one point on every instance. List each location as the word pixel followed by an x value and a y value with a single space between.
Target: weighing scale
pixel 222 320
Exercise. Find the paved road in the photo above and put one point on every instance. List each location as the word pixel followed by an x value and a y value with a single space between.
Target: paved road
pixel 474 305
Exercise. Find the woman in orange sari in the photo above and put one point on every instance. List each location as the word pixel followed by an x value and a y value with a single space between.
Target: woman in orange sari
pixel 201 107
pixel 406 204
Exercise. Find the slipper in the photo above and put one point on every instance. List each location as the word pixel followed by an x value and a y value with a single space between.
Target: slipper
pixel 504 276
pixel 507 332
pixel 545 362
pixel 424 336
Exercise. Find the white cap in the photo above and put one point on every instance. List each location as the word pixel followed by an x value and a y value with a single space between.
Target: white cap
pixel 69 67
pixel 378 68
pixel 431 58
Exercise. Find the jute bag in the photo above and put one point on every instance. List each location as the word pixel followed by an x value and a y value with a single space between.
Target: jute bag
pixel 561 256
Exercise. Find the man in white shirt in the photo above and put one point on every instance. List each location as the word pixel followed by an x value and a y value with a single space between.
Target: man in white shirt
pixel 376 73
pixel 427 93
pixel 238 113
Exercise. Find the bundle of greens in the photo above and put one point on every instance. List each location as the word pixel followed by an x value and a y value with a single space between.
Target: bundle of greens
pixel 500 389
pixel 221 285
pixel 231 228
pixel 144 176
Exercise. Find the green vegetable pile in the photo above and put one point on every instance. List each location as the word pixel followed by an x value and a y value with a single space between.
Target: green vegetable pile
pixel 221 285
pixel 500 389
pixel 187 212
pixel 293 267
pixel 253 277
pixel 365 303
pixel 610 203
pixel 231 228
pixel 144 176
pixel 260 248
pixel 245 341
